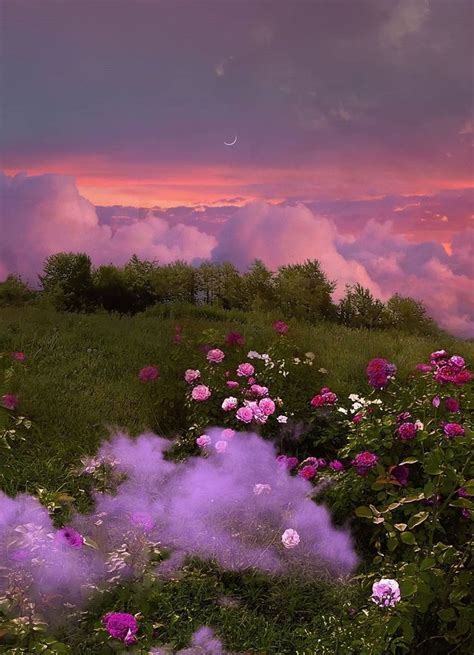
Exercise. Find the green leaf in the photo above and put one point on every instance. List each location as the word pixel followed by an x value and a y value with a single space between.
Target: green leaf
pixel 393 624
pixel 447 615
pixel 408 538
pixel 401 527
pixel 427 563
pixel 432 469
pixel 417 519
pixel 363 512
pixel 408 587
pixel 409 460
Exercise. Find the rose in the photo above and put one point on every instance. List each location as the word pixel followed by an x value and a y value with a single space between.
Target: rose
pixel 201 393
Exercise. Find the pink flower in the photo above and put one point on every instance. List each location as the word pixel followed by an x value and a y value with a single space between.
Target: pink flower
pixel 148 374
pixel 423 368
pixel 386 592
pixel 69 537
pixel 267 406
pixel 191 375
pixel 452 405
pixel 259 390
pixel 251 381
pixel 215 356
pixel 232 384
pixel 452 430
pixel 228 434
pixel 9 401
pixel 221 446
pixel 121 625
pixel 245 370
pixel 436 402
pixel 364 461
pixel 19 356
pixel 457 361
pixel 323 398
pixel 379 372
pixel 407 431
pixel 201 393
pixel 307 472
pixel 438 354
pixel 317 401
pixel 229 404
pixel 463 377
pixel 288 463
pixel 245 414
pixel 357 418
pixel 203 441
pixel 234 339
pixel 336 465
pixel 290 538
pixel 281 327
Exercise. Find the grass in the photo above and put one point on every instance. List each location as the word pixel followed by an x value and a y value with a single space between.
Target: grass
pixel 80 383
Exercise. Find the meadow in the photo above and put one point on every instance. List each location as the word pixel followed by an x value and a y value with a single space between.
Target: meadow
pixel 79 385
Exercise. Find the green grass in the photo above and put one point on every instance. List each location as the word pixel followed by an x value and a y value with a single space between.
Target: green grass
pixel 80 383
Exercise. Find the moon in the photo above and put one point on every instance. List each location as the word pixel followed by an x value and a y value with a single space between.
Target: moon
pixel 232 143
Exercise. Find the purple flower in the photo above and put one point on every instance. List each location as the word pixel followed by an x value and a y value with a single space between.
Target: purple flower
pixel 438 354
pixel 423 368
pixel 462 493
pixel 407 431
pixel 403 417
pixel 121 625
pixel 245 370
pixel 364 461
pixel 281 327
pixel 457 361
pixel 215 356
pixel 234 339
pixel 336 465
pixel 69 537
pixel 9 401
pixel 307 472
pixel 148 374
pixel 321 462
pixel 401 474
pixel 379 371
pixel 452 405
pixel 436 402
pixel 288 463
pixel 465 513
pixel 453 430
pixel 142 520
pixel 386 592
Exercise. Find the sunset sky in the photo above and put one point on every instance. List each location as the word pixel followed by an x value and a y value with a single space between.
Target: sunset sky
pixel 358 112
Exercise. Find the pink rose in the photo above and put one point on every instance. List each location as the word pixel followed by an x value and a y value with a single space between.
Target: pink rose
pixel 203 441
pixel 228 434
pixel 221 446
pixel 267 406
pixel 201 393
pixel 229 404
pixel 9 401
pixel 245 370
pixel 191 375
pixel 215 356
pixel 19 356
pixel 259 391
pixel 244 414
pixel 290 538
pixel 231 384
pixel 148 374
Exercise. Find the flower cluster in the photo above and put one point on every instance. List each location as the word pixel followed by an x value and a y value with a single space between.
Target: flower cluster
pixel 324 398
pixel 446 369
pixel 380 372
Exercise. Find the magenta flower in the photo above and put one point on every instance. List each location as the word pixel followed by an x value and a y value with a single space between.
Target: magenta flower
pixel 148 374
pixel 436 402
pixel 307 472
pixel 288 463
pixel 438 354
pixel 203 441
pixel 321 463
pixel 245 414
pixel 245 370
pixel 121 625
pixel 407 431
pixel 386 592
pixel 221 446
pixel 423 368
pixel 281 327
pixel 267 406
pixel 228 433
pixel 215 356
pixel 403 417
pixel 201 393
pixel 336 465
pixel 19 356
pixel 323 398
pixel 463 377
pixel 69 537
pixel 9 401
pixel 357 418
pixel 234 339
pixel 363 462
pixel 457 361
pixel 191 375
pixel 232 384
pixel 401 474
pixel 462 493
pixel 379 371
pixel 258 390
pixel 452 405
pixel 452 430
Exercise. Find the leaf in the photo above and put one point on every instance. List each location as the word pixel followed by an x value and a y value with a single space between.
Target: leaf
pixel 378 519
pixel 427 563
pixel 91 543
pixel 393 624
pixel 408 538
pixel 392 506
pixel 401 526
pixel 409 460
pixel 392 543
pixel 408 587
pixel 447 615
pixel 417 519
pixel 432 469
pixel 363 512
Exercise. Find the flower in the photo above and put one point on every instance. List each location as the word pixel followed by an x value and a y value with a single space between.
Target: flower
pixel 201 393
pixel 232 384
pixel 401 474
pixel 121 625
pixel 215 356
pixel 253 354
pixel 245 370
pixel 260 489
pixel 245 414
pixel 379 371
pixel 403 417
pixel 142 520
pixel 267 406
pixel 221 446
pixel 453 430
pixel 336 465
pixel 258 390
pixel 386 592
pixel 229 403
pixel 69 537
pixel 357 418
pixel 423 368
pixel 281 327
pixel 287 462
pixel 148 374
pixel 438 354
pixel 19 356
pixel 191 375
pixel 457 361
pixel 9 401
pixel 324 397
pixel 364 461
pixel 452 405
pixel 203 441
pixel 290 538
pixel 407 431
pixel 462 493
pixel 308 472
pixel 234 339
pixel 282 418
pixel 228 433
pixel 436 402
pixel 321 463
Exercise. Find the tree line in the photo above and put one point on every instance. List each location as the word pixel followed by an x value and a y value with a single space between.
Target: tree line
pixel 302 291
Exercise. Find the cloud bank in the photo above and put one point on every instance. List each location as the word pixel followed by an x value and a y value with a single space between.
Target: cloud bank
pixel 44 214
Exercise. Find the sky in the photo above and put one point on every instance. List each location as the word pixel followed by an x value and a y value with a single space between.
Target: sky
pixel 354 126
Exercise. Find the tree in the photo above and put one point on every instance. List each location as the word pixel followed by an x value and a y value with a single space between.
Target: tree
pixel 359 308
pixel 13 291
pixel 138 275
pixel 258 286
pixel 410 315
pixel 174 282
pixel 304 291
pixel 67 277
pixel 112 291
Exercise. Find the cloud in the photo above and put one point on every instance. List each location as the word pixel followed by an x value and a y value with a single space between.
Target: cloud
pixel 45 214
pixel 406 18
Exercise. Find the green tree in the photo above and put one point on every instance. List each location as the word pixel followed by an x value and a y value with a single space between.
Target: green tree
pixel 67 277
pixel 258 287
pixel 174 282
pixel 139 276
pixel 304 291
pixel 410 315
pixel 359 308
pixel 14 291
pixel 112 291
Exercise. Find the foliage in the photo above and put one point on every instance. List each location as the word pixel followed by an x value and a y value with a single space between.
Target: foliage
pixel 14 291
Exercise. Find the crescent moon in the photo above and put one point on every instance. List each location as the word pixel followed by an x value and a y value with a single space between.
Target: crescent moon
pixel 232 143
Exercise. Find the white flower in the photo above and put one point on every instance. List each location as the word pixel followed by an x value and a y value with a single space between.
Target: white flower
pixel 323 370
pixel 357 406
pixel 260 489
pixel 282 418
pixel 253 354
pixel 290 538
pixel 353 397
pixel 342 410
pixel 297 360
